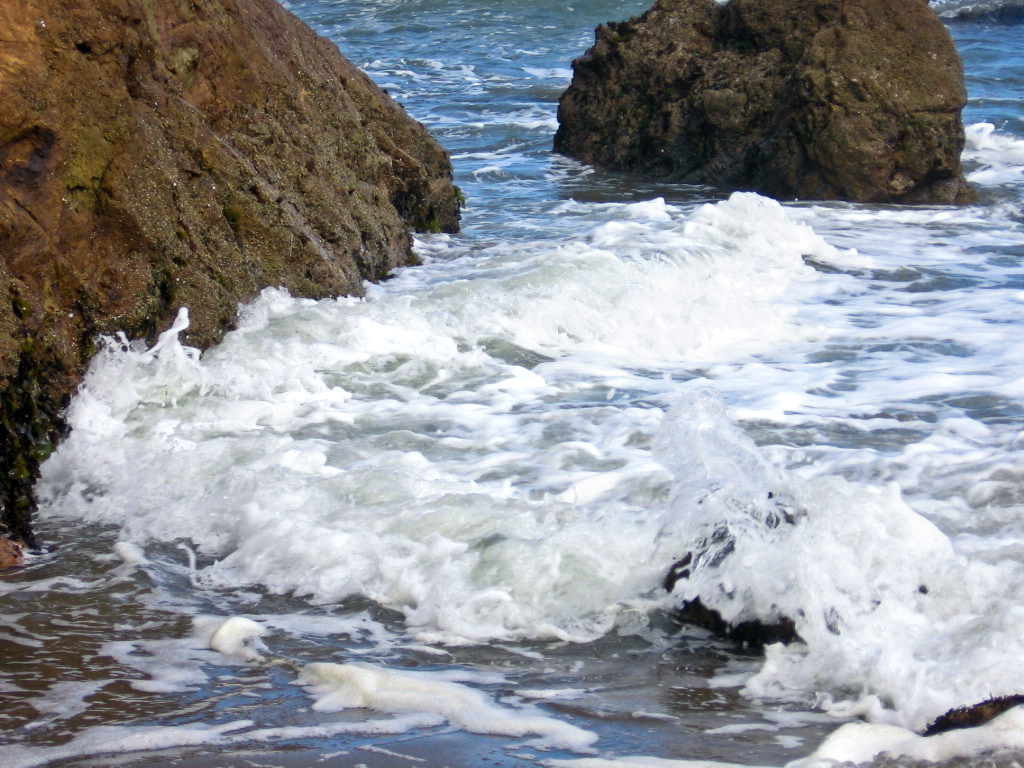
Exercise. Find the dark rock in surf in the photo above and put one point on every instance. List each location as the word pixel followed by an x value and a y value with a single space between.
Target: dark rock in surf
pixel 751 634
pixel 712 550
pixel 158 155
pixel 974 715
pixel 817 99
pixel 11 554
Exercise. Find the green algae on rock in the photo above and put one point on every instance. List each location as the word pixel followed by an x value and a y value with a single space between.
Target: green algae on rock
pixel 163 154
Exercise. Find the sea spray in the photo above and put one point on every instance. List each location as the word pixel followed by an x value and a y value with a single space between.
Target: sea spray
pixel 887 613
pixel 386 429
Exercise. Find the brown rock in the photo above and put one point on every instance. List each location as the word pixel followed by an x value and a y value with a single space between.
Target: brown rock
pixel 181 153
pixel 11 554
pixel 821 99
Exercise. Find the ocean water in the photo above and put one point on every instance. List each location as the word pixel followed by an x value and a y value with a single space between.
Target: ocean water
pixel 431 526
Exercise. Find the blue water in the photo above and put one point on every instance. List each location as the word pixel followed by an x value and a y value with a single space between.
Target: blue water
pixel 483 471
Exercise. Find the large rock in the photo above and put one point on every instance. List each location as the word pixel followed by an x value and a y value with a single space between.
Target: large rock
pixel 820 99
pixel 161 153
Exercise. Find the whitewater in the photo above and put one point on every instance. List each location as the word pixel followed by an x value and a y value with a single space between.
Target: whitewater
pixel 432 525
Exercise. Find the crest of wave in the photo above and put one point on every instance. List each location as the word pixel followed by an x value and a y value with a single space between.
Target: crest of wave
pixel 896 626
pixel 653 282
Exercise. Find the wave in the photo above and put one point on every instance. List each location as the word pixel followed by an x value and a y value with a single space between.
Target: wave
pixel 973 9
pixel 995 157
pixel 895 625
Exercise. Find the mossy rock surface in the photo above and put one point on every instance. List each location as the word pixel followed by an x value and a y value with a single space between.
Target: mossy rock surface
pixel 163 154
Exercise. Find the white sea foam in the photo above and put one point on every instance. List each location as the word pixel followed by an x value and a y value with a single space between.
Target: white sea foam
pixel 554 73
pixel 998 155
pixel 437 695
pixel 441 429
pixel 342 686
pixel 168 665
pixel 238 637
pixel 104 739
pixel 66 698
pixel 131 554
pixel 639 761
pixel 559 694
pixel 860 742
pixel 888 612
pixel 101 740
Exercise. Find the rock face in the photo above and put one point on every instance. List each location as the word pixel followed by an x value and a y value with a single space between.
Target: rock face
pixel 165 153
pixel 820 99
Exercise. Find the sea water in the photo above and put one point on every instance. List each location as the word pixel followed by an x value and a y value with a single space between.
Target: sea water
pixel 431 526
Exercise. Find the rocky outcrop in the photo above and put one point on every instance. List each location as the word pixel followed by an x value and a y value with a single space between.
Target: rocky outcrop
pixel 181 153
pixel 818 99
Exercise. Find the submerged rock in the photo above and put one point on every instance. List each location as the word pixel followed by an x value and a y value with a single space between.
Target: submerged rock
pixel 770 513
pixel 751 633
pixel 822 99
pixel 158 155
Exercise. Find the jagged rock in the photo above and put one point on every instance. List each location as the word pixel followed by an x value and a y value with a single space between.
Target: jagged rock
pixel 819 99
pixel 182 152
